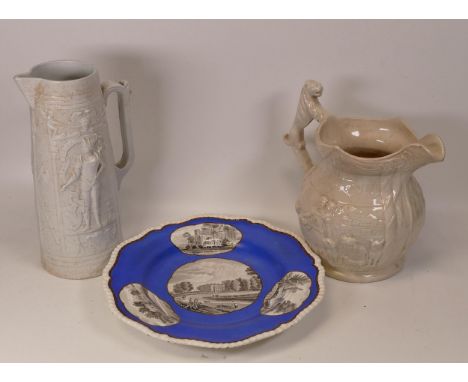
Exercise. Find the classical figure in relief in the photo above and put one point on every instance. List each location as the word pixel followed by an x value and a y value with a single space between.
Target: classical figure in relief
pixel 87 169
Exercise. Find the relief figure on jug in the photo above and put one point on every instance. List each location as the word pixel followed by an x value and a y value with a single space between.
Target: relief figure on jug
pixel 86 171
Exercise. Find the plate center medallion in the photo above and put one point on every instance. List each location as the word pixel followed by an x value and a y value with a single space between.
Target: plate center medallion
pixel 214 286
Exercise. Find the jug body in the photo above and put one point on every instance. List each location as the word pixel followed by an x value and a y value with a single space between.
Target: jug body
pixel 360 207
pixel 75 179
pixel 359 225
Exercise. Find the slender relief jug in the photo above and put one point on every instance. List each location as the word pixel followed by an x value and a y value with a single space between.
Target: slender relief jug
pixel 360 207
pixel 75 177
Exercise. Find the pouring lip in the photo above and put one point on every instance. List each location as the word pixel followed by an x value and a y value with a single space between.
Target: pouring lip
pixel 88 69
pixel 391 155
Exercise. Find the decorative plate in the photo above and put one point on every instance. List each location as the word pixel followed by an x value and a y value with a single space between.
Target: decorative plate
pixel 213 281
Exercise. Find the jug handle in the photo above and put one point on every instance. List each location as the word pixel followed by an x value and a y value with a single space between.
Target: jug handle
pixel 122 90
pixel 308 109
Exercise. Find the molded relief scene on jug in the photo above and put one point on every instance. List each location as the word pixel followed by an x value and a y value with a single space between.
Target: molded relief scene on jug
pixel 360 207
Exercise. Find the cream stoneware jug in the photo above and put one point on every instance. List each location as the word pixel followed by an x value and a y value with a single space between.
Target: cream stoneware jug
pixel 75 178
pixel 360 207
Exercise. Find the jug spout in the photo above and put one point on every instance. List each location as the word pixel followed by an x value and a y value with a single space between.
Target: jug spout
pixel 434 147
pixel 53 75
pixel 29 86
pixel 424 151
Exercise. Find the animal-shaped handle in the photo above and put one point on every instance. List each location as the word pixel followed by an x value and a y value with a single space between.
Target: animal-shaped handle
pixel 123 93
pixel 308 109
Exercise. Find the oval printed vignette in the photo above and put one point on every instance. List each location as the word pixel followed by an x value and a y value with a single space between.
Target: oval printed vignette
pixel 214 286
pixel 206 238
pixel 148 307
pixel 287 294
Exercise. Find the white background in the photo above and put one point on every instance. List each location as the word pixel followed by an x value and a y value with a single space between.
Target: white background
pixel 211 100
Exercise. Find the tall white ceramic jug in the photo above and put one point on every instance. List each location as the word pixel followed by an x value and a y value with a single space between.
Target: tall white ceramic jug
pixel 75 178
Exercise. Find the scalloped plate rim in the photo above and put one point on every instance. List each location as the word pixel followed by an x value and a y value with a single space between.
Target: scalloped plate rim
pixel 198 343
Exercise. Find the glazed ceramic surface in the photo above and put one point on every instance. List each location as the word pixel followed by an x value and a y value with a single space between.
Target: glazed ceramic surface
pixel 75 178
pixel 213 281
pixel 360 207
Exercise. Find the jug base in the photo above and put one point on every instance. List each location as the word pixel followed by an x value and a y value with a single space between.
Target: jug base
pixel 73 270
pixel 361 277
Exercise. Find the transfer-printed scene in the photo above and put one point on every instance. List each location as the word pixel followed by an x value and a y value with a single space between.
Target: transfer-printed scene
pixel 206 238
pixel 214 286
pixel 287 294
pixel 148 307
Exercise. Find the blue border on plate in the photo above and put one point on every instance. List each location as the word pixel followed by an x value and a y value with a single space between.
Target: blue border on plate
pixel 152 259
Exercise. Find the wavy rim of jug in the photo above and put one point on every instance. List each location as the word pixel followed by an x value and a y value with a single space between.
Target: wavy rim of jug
pixel 416 143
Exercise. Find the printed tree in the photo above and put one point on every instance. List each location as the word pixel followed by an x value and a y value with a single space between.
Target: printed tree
pixel 235 285
pixel 244 284
pixel 190 240
pixel 296 278
pixel 227 285
pixel 183 287
pixel 255 283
